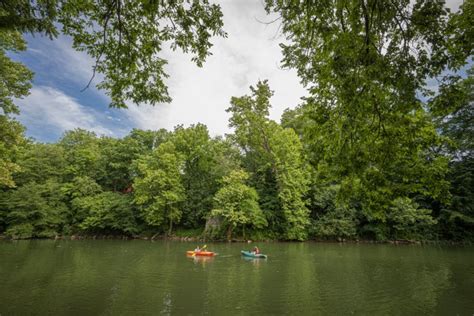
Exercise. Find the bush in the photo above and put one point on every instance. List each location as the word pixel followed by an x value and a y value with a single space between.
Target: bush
pixel 339 222
pixel 20 231
pixel 407 221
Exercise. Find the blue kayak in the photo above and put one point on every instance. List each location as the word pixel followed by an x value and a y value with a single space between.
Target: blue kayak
pixel 253 255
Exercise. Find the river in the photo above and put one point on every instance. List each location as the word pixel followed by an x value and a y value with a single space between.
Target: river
pixel 112 277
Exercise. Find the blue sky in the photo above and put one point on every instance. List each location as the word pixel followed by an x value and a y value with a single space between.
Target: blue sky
pixel 250 53
pixel 56 102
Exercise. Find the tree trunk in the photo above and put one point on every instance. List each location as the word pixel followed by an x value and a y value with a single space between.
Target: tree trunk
pixel 154 236
pixel 171 228
pixel 229 233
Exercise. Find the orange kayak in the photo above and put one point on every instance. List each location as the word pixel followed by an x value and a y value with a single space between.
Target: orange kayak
pixel 200 253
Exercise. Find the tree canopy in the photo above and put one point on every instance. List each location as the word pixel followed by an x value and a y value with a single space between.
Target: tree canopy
pixel 373 151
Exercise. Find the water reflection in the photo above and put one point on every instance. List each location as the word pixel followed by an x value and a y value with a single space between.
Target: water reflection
pixel 255 261
pixel 200 259
pixel 167 305
pixel 139 277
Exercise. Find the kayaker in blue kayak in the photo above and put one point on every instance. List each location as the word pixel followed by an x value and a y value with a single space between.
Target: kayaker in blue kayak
pixel 256 251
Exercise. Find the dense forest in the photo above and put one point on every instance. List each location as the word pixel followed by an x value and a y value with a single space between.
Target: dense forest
pixel 373 151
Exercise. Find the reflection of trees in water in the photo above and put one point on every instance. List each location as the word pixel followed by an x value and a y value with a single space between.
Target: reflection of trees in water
pixel 428 286
pixel 419 277
pixel 112 277
pixel 299 280
pixel 381 279
pixel 239 286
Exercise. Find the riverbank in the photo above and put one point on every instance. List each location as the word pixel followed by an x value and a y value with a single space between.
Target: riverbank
pixel 202 239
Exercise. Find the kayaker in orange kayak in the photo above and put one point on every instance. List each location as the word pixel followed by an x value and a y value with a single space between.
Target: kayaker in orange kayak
pixel 200 251
pixel 256 251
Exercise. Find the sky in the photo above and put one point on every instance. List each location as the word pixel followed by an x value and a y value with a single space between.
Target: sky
pixel 250 53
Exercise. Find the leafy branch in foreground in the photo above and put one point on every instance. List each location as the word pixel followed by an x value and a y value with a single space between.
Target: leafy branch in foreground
pixel 124 37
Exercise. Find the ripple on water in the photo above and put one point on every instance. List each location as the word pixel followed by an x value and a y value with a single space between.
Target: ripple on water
pixel 113 278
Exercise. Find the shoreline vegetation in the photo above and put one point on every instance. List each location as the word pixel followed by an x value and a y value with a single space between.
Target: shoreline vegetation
pixel 242 240
pixel 374 151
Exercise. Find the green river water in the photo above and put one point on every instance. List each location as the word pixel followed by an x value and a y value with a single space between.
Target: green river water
pixel 111 277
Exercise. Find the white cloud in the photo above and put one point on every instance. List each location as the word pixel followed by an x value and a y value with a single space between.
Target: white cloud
pixel 454 4
pixel 49 110
pixel 250 53
pixel 149 117
pixel 66 64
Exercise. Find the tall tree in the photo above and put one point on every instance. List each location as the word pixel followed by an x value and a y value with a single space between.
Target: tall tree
pixel 11 140
pixel 148 140
pixel 15 78
pixel 204 159
pixel 237 203
pixel 75 191
pixel 291 177
pixel 83 155
pixel 194 144
pixel 454 108
pixel 274 156
pixel 365 64
pixel 40 162
pixel 14 83
pixel 117 156
pixel 158 187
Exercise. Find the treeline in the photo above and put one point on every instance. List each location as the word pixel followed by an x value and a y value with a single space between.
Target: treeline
pixel 266 180
pixel 142 183
pixel 374 151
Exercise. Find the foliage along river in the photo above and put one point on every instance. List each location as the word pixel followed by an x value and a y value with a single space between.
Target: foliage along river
pixel 104 277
